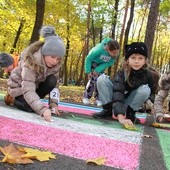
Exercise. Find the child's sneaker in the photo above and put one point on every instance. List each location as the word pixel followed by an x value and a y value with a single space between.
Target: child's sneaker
pixel 98 103
pixel 86 101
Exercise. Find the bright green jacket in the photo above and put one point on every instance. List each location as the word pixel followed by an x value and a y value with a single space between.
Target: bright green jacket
pixel 99 55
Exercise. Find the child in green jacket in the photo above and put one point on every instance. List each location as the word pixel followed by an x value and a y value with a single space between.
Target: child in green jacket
pixel 100 57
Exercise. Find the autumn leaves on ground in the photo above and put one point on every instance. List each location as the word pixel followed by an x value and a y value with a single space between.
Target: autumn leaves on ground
pixel 23 155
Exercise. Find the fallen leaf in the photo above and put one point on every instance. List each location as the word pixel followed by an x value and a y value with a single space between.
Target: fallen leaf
pixel 160 125
pixel 98 161
pixel 129 127
pixel 157 125
pixel 13 155
pixel 37 154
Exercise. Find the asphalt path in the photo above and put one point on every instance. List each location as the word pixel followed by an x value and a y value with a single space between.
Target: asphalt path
pixel 148 154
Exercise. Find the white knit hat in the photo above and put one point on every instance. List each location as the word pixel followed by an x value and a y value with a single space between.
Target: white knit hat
pixel 53 44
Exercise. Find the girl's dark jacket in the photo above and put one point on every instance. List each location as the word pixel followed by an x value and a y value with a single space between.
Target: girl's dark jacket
pixel 122 89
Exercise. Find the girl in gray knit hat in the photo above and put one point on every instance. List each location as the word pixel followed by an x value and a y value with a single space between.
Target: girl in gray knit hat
pixel 37 74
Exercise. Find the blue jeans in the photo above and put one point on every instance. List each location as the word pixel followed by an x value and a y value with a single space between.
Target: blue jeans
pixel 135 100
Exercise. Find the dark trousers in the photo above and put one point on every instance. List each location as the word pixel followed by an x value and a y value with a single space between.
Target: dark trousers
pixel 44 88
pixel 91 88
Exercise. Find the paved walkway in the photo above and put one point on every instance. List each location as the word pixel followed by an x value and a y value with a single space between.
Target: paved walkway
pixel 76 137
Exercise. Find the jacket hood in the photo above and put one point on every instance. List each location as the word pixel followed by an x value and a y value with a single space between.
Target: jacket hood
pixel 165 81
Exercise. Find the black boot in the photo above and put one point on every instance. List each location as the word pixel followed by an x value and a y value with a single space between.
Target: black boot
pixel 130 114
pixel 107 111
pixel 21 104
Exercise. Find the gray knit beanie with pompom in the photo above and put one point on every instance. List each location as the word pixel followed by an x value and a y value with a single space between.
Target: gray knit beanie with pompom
pixel 53 44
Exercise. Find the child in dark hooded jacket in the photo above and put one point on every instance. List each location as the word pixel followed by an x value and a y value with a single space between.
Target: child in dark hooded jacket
pixel 132 87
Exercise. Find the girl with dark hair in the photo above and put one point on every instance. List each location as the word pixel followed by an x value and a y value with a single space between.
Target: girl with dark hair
pixel 100 57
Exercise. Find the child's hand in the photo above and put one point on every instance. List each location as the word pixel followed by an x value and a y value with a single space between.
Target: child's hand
pixel 55 111
pixel 122 120
pixel 89 76
pixel 95 73
pixel 160 119
pixel 47 115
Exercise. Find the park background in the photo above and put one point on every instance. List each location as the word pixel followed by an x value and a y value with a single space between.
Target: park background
pixel 84 23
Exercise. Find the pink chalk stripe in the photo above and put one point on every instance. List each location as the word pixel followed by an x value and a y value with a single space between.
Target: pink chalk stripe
pixel 81 146
pixel 76 110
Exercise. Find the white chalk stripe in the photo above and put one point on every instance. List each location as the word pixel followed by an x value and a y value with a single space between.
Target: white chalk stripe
pixel 70 125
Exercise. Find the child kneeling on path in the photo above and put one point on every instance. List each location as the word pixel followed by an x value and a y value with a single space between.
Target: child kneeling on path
pixel 133 85
pixel 163 93
pixel 37 74
pixel 100 57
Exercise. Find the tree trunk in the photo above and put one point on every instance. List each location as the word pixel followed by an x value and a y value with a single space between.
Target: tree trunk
pixel 93 31
pixel 114 19
pixel 114 27
pixel 77 67
pixel 86 49
pixel 151 25
pixel 121 35
pixel 129 23
pixel 67 46
pixel 143 19
pixel 18 34
pixel 40 9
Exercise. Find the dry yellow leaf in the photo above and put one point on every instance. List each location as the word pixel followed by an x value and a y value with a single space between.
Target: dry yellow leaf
pixel 13 155
pixel 126 126
pixel 36 154
pixel 98 161
pixel 160 125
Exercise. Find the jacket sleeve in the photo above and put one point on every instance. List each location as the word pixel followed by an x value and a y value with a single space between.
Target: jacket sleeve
pixel 103 66
pixel 29 90
pixel 164 83
pixel 119 94
pixel 159 100
pixel 53 102
pixel 94 52
pixel 153 84
pixel 88 61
